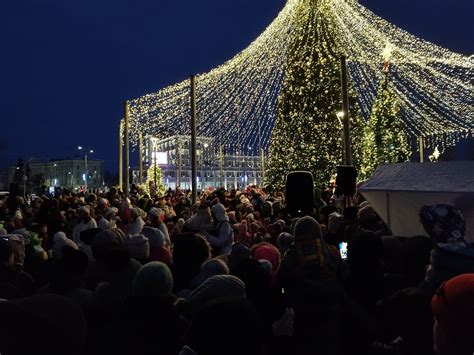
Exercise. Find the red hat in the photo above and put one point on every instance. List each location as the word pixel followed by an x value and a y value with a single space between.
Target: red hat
pixel 453 308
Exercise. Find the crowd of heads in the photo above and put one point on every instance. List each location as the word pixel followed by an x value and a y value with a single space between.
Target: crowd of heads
pixel 232 273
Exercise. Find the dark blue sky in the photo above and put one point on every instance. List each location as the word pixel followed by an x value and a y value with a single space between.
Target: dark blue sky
pixel 67 66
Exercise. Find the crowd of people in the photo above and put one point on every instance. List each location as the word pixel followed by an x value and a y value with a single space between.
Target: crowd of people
pixel 233 273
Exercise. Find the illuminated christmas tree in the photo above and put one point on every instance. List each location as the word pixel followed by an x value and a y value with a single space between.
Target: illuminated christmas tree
pixel 307 133
pixel 385 138
pixel 154 181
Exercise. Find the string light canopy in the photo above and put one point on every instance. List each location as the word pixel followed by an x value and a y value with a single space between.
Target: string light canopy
pixel 237 101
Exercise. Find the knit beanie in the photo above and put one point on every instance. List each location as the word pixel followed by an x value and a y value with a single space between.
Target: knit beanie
pixel 156 238
pixel 110 210
pixel 453 308
pixel 219 212
pixel 24 234
pixel 210 268
pixel 153 279
pixel 284 241
pixel 106 240
pixel 307 228
pixel 444 222
pixel 60 241
pixel 218 286
pixel 137 246
pixel 267 252
pixel 238 253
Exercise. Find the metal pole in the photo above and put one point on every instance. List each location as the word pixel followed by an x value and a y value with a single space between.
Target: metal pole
pixel 180 164
pixel 127 149
pixel 154 170
pixel 193 140
pixel 140 157
pixel 221 165
pixel 87 173
pixel 120 156
pixel 345 107
pixel 420 142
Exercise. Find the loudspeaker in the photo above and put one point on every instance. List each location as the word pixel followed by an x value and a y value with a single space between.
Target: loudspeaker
pixel 346 180
pixel 299 193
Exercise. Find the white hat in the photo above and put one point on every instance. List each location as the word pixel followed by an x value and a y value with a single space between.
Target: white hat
pixel 85 209
pixel 110 210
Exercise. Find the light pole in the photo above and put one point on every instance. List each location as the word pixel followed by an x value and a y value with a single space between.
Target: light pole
pixel 85 166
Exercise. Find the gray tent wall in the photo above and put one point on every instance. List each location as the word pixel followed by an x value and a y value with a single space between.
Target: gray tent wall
pixel 398 191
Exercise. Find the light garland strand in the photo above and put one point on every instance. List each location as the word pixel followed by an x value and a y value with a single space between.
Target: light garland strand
pixel 239 98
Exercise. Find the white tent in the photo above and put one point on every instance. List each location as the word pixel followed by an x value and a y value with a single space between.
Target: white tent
pixel 397 191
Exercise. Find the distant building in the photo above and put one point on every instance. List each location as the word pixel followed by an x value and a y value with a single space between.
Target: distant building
pixel 67 173
pixel 173 155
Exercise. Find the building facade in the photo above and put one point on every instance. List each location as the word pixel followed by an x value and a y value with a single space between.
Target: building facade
pixel 67 173
pixel 173 155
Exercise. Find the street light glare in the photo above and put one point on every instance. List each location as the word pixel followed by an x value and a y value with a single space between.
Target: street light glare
pixel 91 151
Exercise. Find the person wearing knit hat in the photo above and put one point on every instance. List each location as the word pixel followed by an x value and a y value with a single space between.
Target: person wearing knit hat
pixel 13 282
pixel 109 219
pixel 284 241
pixel 209 268
pixel 85 222
pixel 238 253
pixel 17 244
pixel 241 232
pixel 453 311
pixel 310 275
pixel 153 280
pixel 136 222
pixel 267 209
pixel 151 322
pixel 137 246
pixel 266 251
pixel 250 218
pixel 106 240
pixel 452 254
pixel 154 235
pixel 103 203
pixel 217 287
pixel 201 220
pixel 85 209
pixel 155 218
pixel 221 242
pixel 22 232
pixel 232 217
pixel 156 239
pixel 60 241
pixel 180 225
pixel 309 252
pixel 444 223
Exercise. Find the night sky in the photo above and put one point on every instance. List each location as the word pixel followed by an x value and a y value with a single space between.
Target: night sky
pixel 67 66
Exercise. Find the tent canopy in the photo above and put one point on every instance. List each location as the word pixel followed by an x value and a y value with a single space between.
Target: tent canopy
pixel 398 191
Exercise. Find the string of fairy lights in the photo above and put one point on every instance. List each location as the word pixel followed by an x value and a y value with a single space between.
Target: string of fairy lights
pixel 237 101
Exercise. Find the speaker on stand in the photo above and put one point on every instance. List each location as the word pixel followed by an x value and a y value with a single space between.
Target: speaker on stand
pixel 299 193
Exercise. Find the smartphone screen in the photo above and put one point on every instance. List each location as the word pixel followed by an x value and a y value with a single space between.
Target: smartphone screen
pixel 343 250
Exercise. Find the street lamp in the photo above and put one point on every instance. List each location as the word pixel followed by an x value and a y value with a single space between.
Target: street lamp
pixel 85 165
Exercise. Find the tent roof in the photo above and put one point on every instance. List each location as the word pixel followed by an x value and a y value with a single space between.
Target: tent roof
pixel 453 176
